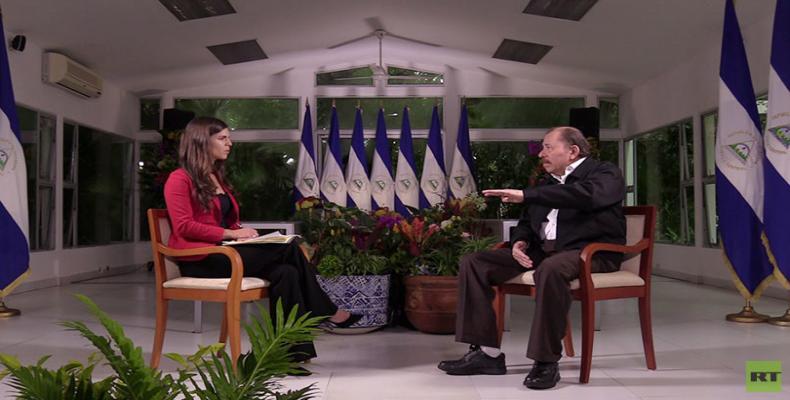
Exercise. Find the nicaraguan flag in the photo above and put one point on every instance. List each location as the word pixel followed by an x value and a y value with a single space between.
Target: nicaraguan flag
pixel 14 248
pixel 462 180
pixel 333 185
pixel 407 189
pixel 306 183
pixel 357 181
pixel 777 146
pixel 433 182
pixel 381 184
pixel 739 166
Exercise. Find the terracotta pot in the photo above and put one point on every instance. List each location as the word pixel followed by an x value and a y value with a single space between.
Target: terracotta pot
pixel 431 302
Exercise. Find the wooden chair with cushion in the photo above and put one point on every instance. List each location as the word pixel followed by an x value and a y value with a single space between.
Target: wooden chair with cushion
pixel 170 285
pixel 631 281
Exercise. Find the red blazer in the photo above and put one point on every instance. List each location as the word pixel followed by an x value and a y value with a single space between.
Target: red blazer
pixel 192 225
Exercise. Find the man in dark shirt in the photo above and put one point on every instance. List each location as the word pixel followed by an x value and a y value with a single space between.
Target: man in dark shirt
pixel 581 204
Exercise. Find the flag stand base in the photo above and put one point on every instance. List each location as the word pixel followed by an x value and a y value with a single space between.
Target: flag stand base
pixel 747 315
pixel 6 312
pixel 783 320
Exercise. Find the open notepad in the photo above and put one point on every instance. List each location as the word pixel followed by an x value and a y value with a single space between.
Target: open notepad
pixel 274 237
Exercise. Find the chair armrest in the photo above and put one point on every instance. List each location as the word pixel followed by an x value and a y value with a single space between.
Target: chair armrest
pixel 588 251
pixel 236 265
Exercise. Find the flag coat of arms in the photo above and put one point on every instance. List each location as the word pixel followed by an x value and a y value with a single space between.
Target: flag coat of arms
pixel 433 182
pixel 14 247
pixel 407 189
pixel 382 186
pixel 306 183
pixel 739 167
pixel 357 181
pixel 777 147
pixel 333 184
pixel 462 181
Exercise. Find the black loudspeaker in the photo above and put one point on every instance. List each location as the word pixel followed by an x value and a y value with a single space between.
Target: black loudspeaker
pixel 18 42
pixel 174 119
pixel 587 120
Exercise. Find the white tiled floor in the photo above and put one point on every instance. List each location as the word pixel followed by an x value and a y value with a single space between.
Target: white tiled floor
pixel 699 355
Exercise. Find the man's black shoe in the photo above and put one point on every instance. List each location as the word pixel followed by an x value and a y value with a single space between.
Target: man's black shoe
pixel 543 376
pixel 475 362
pixel 446 364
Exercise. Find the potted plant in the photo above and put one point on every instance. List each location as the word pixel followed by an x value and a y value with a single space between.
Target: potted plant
pixel 436 239
pixel 349 248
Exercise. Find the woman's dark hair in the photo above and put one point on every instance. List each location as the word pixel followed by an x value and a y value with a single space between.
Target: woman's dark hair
pixel 195 158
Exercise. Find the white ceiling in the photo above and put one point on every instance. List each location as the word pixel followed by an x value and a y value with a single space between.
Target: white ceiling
pixel 138 43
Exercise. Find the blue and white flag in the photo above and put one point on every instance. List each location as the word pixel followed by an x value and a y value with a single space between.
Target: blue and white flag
pixel 14 248
pixel 381 184
pixel 739 167
pixel 462 180
pixel 306 183
pixel 407 189
pixel 777 146
pixel 433 181
pixel 357 181
pixel 333 184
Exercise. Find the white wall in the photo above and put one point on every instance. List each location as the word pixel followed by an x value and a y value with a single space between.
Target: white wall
pixel 116 112
pixel 689 90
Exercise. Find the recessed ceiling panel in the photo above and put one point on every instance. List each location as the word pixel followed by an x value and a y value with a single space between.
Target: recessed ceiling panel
pixel 238 52
pixel 572 10
pixel 526 52
pixel 186 10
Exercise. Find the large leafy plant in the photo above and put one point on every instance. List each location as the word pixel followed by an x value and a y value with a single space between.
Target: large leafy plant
pixel 207 374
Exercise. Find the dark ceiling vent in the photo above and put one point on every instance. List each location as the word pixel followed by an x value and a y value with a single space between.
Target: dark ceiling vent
pixel 572 10
pixel 238 52
pixel 186 10
pixel 526 52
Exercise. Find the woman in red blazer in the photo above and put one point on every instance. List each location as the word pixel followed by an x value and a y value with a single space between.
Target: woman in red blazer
pixel 203 212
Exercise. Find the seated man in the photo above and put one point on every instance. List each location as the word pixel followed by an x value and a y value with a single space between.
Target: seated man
pixel 580 205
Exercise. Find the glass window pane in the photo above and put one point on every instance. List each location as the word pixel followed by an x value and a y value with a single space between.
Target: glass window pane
pixel 149 198
pixel 505 165
pixel 687 136
pixel 362 76
pixel 28 119
pixel 47 148
pixel 610 112
pixel 609 151
pixel 413 77
pixel 46 233
pixel 515 112
pixel 709 122
pixel 629 162
pixel 262 176
pixel 711 218
pixel 149 114
pixel 104 179
pixel 69 151
pixel 251 113
pixel 69 208
pixel 630 199
pixel 420 111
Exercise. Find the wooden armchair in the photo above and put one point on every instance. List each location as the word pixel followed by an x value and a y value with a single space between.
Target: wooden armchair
pixel 632 280
pixel 170 285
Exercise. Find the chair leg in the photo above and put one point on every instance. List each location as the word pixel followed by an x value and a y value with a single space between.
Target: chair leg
pixel 223 329
pixel 232 312
pixel 588 331
pixel 567 341
pixel 645 321
pixel 159 331
pixel 499 312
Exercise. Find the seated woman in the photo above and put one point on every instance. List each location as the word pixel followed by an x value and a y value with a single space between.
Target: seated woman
pixel 203 212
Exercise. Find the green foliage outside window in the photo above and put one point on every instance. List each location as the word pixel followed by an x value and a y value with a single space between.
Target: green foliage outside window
pixel 149 114
pixel 610 112
pixel 505 165
pixel 247 113
pixel 520 112
pixel 425 78
pixel 362 76
pixel 420 110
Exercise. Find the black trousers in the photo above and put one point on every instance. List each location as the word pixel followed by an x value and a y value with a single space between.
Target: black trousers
pixel 292 280
pixel 476 320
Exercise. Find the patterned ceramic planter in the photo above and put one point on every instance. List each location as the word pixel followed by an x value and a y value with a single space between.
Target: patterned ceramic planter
pixel 361 294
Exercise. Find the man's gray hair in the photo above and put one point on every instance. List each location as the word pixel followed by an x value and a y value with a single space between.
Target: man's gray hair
pixel 573 136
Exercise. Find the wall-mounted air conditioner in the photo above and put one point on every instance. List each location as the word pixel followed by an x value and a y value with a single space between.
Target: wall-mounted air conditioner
pixel 60 70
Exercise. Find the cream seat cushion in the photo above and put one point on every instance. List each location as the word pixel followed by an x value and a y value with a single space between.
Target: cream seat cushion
pixel 600 280
pixel 213 283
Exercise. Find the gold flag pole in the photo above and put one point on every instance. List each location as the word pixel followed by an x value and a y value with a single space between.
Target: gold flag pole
pixel 6 312
pixel 747 315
